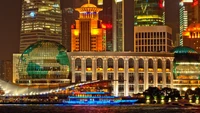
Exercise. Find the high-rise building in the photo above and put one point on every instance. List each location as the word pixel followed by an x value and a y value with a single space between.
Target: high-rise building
pixel 70 15
pixel 6 70
pixel 41 20
pixel 88 34
pixel 123 25
pixel 152 39
pixel 191 37
pixel 149 12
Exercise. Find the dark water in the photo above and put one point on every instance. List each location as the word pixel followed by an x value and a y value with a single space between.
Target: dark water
pixel 96 109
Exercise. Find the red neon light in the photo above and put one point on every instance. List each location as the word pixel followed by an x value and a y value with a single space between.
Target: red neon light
pixel 195 2
pixel 160 3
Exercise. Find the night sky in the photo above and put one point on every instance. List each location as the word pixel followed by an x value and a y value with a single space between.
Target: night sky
pixel 10 11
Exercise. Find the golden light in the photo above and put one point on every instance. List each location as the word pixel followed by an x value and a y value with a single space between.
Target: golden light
pixel 110 69
pixel 95 31
pixel 159 70
pixel 76 32
pixel 89 69
pixel 121 69
pixel 131 69
pixel 141 69
pixel 185 88
pixel 150 69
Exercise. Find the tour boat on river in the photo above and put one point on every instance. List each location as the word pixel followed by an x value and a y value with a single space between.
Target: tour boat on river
pixel 96 98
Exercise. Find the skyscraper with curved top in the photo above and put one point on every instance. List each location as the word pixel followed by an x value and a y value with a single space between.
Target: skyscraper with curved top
pixel 41 20
pixel 149 12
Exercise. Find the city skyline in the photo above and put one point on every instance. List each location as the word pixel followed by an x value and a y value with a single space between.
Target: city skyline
pixel 10 28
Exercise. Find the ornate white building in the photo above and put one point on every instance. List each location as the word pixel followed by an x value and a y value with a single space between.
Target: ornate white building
pixel 131 72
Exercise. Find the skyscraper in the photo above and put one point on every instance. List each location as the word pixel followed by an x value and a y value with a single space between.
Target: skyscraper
pixel 70 15
pixel 149 12
pixel 88 34
pixel 123 25
pixel 41 20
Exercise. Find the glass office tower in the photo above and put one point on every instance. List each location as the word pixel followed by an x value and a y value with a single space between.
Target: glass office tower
pixel 149 12
pixel 41 20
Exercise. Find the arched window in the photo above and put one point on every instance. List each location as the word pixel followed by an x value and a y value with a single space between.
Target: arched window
pixel 120 63
pixel 78 64
pixel 168 64
pixel 88 63
pixel 131 63
pixel 110 63
pixel 99 63
pixel 150 63
pixel 141 63
pixel 159 63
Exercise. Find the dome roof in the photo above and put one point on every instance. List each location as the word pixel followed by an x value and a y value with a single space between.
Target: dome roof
pixel 88 5
pixel 183 49
pixel 44 58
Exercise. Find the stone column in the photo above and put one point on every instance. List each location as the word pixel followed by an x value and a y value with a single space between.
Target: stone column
pixel 146 79
pixel 126 77
pixel 155 77
pixel 105 67
pixel 94 68
pixel 83 69
pixel 115 76
pixel 164 72
pixel 171 70
pixel 73 69
pixel 136 78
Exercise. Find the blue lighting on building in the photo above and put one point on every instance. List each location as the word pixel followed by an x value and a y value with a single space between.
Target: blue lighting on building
pixel 32 14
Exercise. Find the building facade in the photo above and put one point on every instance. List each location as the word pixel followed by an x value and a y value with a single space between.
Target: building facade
pixel 152 39
pixel 191 37
pixel 88 34
pixel 41 20
pixel 130 72
pixel 6 72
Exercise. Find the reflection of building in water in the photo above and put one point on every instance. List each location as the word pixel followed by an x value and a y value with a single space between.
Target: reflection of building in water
pixel 186 68
pixel 130 72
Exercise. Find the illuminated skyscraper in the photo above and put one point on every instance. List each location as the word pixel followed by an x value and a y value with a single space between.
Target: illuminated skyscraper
pixel 88 34
pixel 70 15
pixel 123 25
pixel 149 12
pixel 41 20
pixel 191 36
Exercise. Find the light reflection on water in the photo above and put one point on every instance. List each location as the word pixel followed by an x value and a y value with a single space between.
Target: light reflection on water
pixel 58 108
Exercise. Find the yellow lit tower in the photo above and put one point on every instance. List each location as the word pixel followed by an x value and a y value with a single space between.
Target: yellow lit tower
pixel 88 34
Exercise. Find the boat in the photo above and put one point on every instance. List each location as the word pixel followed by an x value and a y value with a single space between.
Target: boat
pixel 96 98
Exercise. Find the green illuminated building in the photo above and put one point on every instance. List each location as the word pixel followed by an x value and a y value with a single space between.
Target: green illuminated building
pixel 44 62
pixel 41 20
pixel 186 68
pixel 149 12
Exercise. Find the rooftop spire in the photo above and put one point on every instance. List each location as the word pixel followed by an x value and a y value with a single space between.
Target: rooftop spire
pixel 88 1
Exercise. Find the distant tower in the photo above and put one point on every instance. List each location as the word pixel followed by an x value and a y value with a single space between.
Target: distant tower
pixel 88 34
pixel 41 20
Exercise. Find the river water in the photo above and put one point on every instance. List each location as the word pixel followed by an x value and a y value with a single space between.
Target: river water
pixel 59 108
